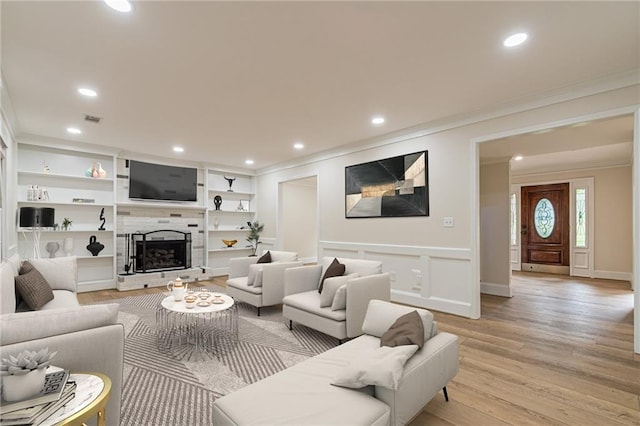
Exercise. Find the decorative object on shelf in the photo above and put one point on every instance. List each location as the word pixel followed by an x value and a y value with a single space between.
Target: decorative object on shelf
pixel 230 180
pixel 36 218
pixel 229 243
pixel 217 201
pixel 241 207
pixel 52 247
pixel 102 228
pixel 177 288
pixel 254 236
pixel 45 167
pixel 67 246
pixel 66 224
pixel 84 200
pixel 94 246
pixel 37 193
pixel 96 171
pixel 23 375
pixel 216 223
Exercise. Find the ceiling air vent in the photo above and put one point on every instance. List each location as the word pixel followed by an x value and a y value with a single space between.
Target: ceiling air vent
pixel 92 118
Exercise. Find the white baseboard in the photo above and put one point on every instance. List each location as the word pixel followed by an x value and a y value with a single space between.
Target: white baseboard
pixel 495 289
pixel 613 275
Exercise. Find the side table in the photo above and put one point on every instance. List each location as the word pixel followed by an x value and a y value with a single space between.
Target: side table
pixel 92 394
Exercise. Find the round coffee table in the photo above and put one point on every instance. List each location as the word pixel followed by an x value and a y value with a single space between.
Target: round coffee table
pixel 199 331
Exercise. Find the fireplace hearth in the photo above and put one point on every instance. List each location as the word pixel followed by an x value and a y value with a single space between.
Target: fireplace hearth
pixel 162 250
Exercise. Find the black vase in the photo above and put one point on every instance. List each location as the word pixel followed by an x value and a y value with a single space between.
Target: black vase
pixel 94 246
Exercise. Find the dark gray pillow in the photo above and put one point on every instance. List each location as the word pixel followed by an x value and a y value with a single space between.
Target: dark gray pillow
pixel 265 258
pixel 407 330
pixel 335 269
pixel 33 287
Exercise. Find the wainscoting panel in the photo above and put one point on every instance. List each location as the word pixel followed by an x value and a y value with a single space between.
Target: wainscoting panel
pixel 436 278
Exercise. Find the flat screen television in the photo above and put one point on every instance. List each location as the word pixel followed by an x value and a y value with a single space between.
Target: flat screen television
pixel 149 181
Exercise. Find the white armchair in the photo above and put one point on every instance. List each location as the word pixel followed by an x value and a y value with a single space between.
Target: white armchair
pixel 260 285
pixel 302 302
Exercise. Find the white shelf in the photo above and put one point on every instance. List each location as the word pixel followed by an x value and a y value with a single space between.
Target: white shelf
pixel 153 205
pixel 230 249
pixel 239 193
pixel 51 203
pixel 232 211
pixel 60 231
pixel 59 176
pixel 100 256
pixel 229 229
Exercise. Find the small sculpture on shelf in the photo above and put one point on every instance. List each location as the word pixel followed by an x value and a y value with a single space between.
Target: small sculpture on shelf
pixel 52 247
pixel 94 246
pixel 230 180
pixel 96 171
pixel 102 228
pixel 45 167
pixel 217 201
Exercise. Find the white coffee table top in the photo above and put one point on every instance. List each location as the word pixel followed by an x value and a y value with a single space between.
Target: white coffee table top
pixel 169 303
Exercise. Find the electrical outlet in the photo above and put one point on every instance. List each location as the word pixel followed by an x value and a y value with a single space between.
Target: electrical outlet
pixel 448 222
pixel 392 275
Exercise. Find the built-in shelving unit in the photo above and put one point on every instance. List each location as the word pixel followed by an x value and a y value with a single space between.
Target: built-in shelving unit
pixel 60 175
pixel 228 211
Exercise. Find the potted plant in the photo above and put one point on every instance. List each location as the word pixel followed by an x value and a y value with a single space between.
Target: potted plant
pixel 66 224
pixel 254 236
pixel 23 375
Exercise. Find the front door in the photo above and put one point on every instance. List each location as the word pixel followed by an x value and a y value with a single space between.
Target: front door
pixel 545 228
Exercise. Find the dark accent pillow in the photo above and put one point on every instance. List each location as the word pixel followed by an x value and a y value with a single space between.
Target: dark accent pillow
pixel 33 287
pixel 335 269
pixel 265 258
pixel 407 330
pixel 24 268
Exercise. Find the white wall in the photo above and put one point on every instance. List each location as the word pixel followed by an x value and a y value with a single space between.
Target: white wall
pixel 495 267
pixel 434 266
pixel 9 235
pixel 299 222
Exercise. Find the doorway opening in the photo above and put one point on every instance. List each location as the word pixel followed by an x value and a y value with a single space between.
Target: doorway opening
pixel 298 217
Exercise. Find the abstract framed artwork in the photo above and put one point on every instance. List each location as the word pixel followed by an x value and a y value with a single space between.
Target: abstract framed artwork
pixel 393 187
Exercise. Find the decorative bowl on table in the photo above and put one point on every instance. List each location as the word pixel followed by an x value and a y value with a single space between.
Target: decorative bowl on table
pixel 190 301
pixel 204 294
pixel 229 243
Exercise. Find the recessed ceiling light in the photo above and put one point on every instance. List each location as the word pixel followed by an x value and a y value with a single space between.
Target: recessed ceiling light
pixel 87 92
pixel 298 145
pixel 515 39
pixel 377 120
pixel 249 162
pixel 73 130
pixel 178 149
pixel 119 5
pixel 518 158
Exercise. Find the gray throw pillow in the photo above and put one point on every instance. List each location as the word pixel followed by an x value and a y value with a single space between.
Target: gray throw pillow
pixel 33 287
pixel 334 270
pixel 265 258
pixel 407 330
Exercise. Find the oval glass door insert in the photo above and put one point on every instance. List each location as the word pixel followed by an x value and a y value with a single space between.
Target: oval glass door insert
pixel 545 218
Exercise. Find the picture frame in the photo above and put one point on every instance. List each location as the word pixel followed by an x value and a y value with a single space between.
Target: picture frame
pixel 391 187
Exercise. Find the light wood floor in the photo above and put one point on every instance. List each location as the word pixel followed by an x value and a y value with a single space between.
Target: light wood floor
pixel 559 352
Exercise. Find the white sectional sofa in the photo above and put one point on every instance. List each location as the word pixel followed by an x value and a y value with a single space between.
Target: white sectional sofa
pixel 87 338
pixel 303 394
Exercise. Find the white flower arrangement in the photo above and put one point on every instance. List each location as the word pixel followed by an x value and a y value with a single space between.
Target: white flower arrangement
pixel 25 362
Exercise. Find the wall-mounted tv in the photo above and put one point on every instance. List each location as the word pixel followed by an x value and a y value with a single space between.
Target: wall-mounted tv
pixel 149 181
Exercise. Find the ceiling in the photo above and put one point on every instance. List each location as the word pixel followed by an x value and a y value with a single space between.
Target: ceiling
pixel 230 81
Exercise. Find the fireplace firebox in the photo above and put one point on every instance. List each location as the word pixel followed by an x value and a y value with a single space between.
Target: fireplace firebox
pixel 162 250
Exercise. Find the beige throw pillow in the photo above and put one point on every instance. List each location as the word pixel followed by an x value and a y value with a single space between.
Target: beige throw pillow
pixel 340 299
pixel 331 286
pixel 407 330
pixel 383 367
pixel 33 287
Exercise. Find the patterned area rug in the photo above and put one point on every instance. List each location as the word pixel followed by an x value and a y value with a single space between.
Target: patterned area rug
pixel 161 390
